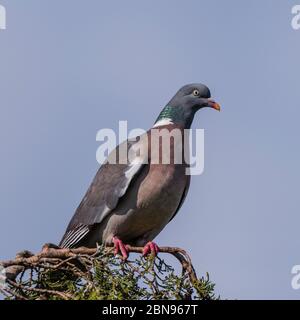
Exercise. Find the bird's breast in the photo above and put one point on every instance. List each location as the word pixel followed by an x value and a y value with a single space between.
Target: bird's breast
pixel 160 192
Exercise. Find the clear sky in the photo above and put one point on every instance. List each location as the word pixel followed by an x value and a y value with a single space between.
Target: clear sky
pixel 69 68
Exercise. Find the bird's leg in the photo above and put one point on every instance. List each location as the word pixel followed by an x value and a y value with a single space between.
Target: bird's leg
pixel 120 247
pixel 151 248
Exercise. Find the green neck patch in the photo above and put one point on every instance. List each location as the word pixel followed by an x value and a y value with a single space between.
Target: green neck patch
pixel 175 114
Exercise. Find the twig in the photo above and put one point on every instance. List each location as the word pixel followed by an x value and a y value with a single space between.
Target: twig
pixel 50 270
pixel 48 255
pixel 65 296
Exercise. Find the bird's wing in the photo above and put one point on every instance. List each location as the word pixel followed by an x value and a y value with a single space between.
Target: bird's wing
pixel 74 235
pixel 109 185
pixel 185 192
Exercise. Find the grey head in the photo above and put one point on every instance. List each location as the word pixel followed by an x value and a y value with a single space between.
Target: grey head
pixel 186 102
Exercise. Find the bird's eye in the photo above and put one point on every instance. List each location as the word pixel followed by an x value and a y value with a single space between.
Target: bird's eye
pixel 196 93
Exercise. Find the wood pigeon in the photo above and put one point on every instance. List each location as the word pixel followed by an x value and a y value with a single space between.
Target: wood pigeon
pixel 130 202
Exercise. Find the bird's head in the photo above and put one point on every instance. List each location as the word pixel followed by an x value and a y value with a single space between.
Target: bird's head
pixel 186 102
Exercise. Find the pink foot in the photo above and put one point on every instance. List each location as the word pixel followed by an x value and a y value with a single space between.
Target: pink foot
pixel 120 247
pixel 151 248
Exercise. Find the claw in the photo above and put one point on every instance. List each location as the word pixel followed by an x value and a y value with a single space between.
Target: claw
pixel 120 247
pixel 151 248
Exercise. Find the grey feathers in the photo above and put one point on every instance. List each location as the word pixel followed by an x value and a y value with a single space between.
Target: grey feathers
pixel 73 236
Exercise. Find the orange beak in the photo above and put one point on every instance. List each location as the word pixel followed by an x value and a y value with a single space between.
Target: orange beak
pixel 213 104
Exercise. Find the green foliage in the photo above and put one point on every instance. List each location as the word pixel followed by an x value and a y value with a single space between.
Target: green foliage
pixel 103 276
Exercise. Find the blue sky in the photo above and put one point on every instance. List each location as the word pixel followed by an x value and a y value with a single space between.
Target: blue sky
pixel 69 68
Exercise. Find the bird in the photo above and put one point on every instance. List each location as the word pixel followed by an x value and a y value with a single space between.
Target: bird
pixel 130 202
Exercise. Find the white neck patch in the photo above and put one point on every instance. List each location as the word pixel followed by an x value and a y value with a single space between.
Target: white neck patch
pixel 163 122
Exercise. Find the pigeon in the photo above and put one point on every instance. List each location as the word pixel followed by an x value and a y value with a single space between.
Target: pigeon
pixel 130 202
